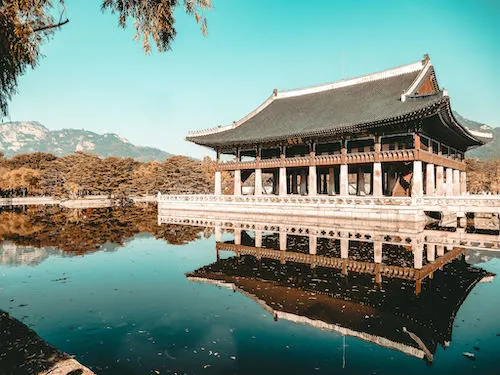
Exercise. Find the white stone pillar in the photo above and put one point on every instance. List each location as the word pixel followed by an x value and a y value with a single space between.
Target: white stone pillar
pixel 440 187
pixel 344 248
pixel 303 183
pixel 218 233
pixel 456 182
pixel 258 182
pixel 331 181
pixel 218 183
pixel 430 184
pixel 313 244
pixel 449 182
pixel 463 183
pixel 377 179
pixel 344 180
pixel 258 238
pixel 417 180
pixel 440 250
pixel 237 182
pixel 431 252
pixel 237 236
pixel 313 187
pixel 282 240
pixel 282 181
pixel 360 188
pixel 418 253
pixel 377 251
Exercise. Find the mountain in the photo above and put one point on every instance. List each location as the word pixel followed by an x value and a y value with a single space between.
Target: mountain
pixel 31 136
pixel 491 150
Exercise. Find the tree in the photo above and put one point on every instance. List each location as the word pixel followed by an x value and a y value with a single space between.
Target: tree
pixel 26 24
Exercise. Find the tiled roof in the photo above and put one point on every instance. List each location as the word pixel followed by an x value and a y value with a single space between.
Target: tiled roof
pixel 341 107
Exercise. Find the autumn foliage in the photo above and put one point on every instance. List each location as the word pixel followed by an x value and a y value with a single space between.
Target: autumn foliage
pixel 81 174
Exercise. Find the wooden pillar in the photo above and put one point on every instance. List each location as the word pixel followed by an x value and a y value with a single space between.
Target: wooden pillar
pixel 439 181
pixel 282 182
pixel 430 184
pixel 218 183
pixel 377 179
pixel 237 182
pixel 258 182
pixel 331 181
pixel 456 182
pixel 463 183
pixel 449 182
pixel 416 185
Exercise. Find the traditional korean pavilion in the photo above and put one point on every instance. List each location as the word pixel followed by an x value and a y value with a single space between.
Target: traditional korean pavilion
pixel 390 133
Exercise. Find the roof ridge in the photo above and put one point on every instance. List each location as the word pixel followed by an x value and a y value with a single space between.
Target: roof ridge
pixel 383 74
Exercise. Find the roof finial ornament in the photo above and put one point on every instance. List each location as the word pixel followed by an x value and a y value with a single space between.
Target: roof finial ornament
pixel 275 92
pixel 426 57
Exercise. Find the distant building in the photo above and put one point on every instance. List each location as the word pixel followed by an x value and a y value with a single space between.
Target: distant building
pixel 390 133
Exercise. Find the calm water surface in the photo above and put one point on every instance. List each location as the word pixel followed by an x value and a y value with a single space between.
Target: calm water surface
pixel 115 294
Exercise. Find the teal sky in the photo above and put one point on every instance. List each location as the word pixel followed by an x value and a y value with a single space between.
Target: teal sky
pixel 95 76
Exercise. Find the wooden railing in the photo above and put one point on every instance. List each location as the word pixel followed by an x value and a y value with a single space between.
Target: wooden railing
pixel 350 158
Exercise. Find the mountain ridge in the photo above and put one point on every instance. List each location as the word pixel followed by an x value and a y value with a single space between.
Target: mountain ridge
pixel 21 137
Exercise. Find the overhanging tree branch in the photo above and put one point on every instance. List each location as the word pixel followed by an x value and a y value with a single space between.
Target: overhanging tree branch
pixel 51 26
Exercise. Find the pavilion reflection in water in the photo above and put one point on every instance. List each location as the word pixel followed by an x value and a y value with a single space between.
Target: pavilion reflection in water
pixel 378 292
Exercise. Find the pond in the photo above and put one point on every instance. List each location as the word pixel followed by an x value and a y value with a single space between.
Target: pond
pixel 125 295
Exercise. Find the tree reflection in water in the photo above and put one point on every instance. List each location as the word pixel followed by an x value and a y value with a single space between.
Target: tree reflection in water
pixel 81 231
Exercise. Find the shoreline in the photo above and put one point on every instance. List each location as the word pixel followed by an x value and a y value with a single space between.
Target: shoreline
pixel 86 202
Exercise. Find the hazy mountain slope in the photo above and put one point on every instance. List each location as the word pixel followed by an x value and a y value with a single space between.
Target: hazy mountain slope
pixel 490 150
pixel 31 136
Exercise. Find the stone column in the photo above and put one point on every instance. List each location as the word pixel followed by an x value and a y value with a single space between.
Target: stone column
pixel 218 183
pixel 456 182
pixel 313 244
pixel 295 177
pixel 361 182
pixel 344 179
pixel 258 182
pixel 312 181
pixel 237 236
pixel 439 181
pixel 431 252
pixel 303 183
pixel 418 250
pixel 282 240
pixel 377 179
pixel 218 233
pixel 377 251
pixel 417 183
pixel 258 238
pixel 282 181
pixel 237 182
pixel 463 183
pixel 440 250
pixel 344 248
pixel 449 182
pixel 331 181
pixel 430 184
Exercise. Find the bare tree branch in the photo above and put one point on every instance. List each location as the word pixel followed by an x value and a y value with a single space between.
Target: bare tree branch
pixel 51 26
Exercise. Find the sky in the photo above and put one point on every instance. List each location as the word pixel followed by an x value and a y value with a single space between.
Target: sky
pixel 94 76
